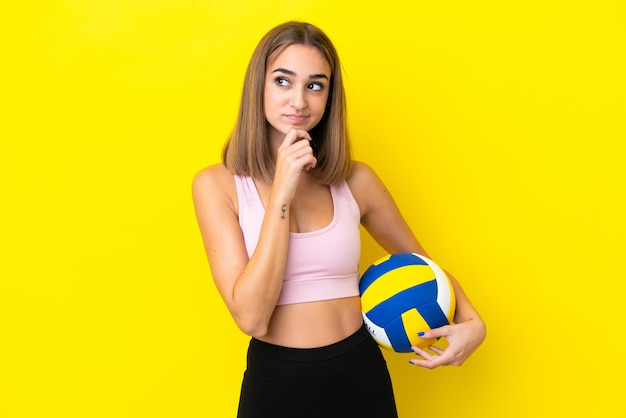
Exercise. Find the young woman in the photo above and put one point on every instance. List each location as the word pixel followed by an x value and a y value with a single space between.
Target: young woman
pixel 280 223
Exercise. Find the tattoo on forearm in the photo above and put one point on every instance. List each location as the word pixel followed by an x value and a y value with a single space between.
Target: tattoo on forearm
pixel 284 209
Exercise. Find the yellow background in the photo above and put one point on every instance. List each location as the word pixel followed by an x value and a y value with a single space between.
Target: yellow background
pixel 497 125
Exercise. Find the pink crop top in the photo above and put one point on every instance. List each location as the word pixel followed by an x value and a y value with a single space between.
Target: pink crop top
pixel 322 264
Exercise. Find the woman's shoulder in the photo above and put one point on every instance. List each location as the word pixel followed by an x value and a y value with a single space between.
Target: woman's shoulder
pixel 213 175
pixel 214 180
pixel 363 183
pixel 361 176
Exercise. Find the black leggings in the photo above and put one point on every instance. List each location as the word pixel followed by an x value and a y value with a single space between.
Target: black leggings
pixel 346 379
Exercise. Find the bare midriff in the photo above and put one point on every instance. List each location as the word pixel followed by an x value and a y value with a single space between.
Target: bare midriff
pixel 314 324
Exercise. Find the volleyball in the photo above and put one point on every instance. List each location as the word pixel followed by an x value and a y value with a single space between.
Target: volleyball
pixel 404 294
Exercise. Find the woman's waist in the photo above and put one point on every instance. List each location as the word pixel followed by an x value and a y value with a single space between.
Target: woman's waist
pixel 314 324
pixel 260 349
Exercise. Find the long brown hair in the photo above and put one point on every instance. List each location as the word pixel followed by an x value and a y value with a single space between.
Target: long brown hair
pixel 247 149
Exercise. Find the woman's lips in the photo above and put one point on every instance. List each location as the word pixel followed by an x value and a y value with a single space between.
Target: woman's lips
pixel 296 118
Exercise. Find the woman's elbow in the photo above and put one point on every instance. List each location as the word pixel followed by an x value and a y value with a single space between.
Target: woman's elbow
pixel 252 325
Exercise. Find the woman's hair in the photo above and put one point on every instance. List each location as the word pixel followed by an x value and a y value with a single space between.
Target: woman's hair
pixel 247 150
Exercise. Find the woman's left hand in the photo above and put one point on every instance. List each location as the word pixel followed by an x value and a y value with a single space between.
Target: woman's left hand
pixel 463 339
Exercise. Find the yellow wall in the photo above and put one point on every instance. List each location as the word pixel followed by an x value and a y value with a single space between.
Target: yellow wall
pixel 497 125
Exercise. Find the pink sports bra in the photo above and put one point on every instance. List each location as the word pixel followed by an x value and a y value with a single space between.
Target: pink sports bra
pixel 322 264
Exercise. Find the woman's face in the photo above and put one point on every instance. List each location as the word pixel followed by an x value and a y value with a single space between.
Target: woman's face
pixel 296 90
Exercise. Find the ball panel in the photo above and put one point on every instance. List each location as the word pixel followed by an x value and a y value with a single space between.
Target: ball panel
pixel 410 298
pixel 445 298
pixel 393 282
pixel 397 335
pixel 387 264
pixel 412 320
pixel 378 333
pixel 433 315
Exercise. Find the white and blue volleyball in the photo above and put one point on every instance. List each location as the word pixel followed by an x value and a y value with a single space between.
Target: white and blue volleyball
pixel 402 295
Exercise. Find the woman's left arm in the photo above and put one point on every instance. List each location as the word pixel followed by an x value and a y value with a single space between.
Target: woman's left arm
pixel 381 217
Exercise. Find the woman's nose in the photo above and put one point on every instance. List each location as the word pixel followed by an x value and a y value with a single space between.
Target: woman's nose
pixel 298 99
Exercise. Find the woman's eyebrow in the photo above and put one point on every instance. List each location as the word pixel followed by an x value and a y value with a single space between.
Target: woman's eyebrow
pixel 289 72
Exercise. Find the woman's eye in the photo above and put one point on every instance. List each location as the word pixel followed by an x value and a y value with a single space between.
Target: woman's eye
pixel 282 81
pixel 316 86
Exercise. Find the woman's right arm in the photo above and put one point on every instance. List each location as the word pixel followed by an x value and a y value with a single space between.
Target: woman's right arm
pixel 250 287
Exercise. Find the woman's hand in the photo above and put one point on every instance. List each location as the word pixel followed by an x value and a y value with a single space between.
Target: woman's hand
pixel 294 155
pixel 463 339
